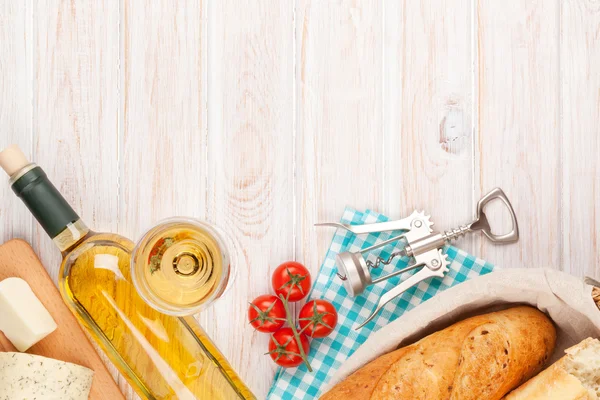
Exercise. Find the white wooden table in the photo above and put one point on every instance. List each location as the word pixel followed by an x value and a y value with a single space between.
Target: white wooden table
pixel 268 116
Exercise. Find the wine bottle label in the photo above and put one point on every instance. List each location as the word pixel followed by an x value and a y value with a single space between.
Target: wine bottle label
pixel 44 201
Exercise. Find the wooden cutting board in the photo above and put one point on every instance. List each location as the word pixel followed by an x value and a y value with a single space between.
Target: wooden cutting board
pixel 68 342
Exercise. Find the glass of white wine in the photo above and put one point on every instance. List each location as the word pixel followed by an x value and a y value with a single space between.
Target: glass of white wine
pixel 181 265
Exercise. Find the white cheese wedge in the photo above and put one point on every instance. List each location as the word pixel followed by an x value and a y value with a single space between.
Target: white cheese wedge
pixel 27 376
pixel 24 319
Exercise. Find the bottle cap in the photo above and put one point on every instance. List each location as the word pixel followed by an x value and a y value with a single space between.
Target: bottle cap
pixel 31 184
pixel 12 159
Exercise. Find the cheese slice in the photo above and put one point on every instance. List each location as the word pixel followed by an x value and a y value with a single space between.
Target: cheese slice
pixel 24 319
pixel 27 376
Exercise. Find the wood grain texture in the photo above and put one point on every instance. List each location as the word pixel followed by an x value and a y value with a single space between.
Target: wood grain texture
pixel 580 139
pixel 518 126
pixel 163 147
pixel 339 124
pixel 266 117
pixel 68 342
pixel 76 108
pixel 428 110
pixel 250 166
pixel 16 91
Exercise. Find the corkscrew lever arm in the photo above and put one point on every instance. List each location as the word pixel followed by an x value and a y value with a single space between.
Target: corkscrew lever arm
pixel 398 225
pixel 434 263
pixel 397 291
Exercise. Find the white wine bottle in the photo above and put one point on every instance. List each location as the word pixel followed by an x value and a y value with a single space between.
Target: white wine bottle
pixel 161 356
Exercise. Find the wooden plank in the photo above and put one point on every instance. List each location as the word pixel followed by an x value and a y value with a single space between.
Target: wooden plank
pixel 519 133
pixel 163 147
pixel 580 109
pixel 339 140
pixel 75 113
pixel 68 342
pixel 429 111
pixel 16 85
pixel 250 165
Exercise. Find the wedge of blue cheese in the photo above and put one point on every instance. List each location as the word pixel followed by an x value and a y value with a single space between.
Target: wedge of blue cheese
pixel 27 377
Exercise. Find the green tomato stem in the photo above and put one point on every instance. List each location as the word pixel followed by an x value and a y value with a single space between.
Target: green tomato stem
pixel 292 325
pixel 303 329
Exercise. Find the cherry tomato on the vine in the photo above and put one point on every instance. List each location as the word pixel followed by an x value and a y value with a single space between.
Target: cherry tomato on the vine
pixel 284 349
pixel 318 318
pixel 266 313
pixel 292 280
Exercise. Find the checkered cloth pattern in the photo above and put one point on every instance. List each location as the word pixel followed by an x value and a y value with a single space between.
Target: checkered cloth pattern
pixel 327 354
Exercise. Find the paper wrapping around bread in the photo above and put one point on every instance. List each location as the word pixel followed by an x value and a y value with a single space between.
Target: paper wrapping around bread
pixel 482 357
pixel 566 299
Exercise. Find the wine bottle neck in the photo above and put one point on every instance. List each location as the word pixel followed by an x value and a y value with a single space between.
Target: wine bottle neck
pixel 72 234
pixel 48 206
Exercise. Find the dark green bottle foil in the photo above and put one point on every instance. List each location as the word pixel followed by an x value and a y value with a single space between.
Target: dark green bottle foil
pixel 44 201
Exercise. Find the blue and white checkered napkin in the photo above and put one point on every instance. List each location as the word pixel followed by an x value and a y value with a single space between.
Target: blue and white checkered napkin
pixel 327 354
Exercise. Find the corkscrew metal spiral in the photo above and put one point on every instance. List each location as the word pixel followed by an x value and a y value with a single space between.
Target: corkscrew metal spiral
pixel 454 234
pixel 384 261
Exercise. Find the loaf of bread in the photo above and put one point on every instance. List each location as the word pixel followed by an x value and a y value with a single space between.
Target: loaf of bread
pixel 482 357
pixel 574 377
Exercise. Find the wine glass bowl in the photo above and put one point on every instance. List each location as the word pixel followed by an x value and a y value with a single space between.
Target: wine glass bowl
pixel 180 266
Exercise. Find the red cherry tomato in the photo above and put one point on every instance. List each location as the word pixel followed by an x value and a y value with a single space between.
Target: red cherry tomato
pixel 284 348
pixel 266 313
pixel 292 280
pixel 318 318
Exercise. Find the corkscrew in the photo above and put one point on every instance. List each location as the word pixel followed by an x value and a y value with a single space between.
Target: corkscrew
pixel 420 243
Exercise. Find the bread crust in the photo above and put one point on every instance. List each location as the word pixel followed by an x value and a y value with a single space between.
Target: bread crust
pixel 360 384
pixel 554 383
pixel 480 357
